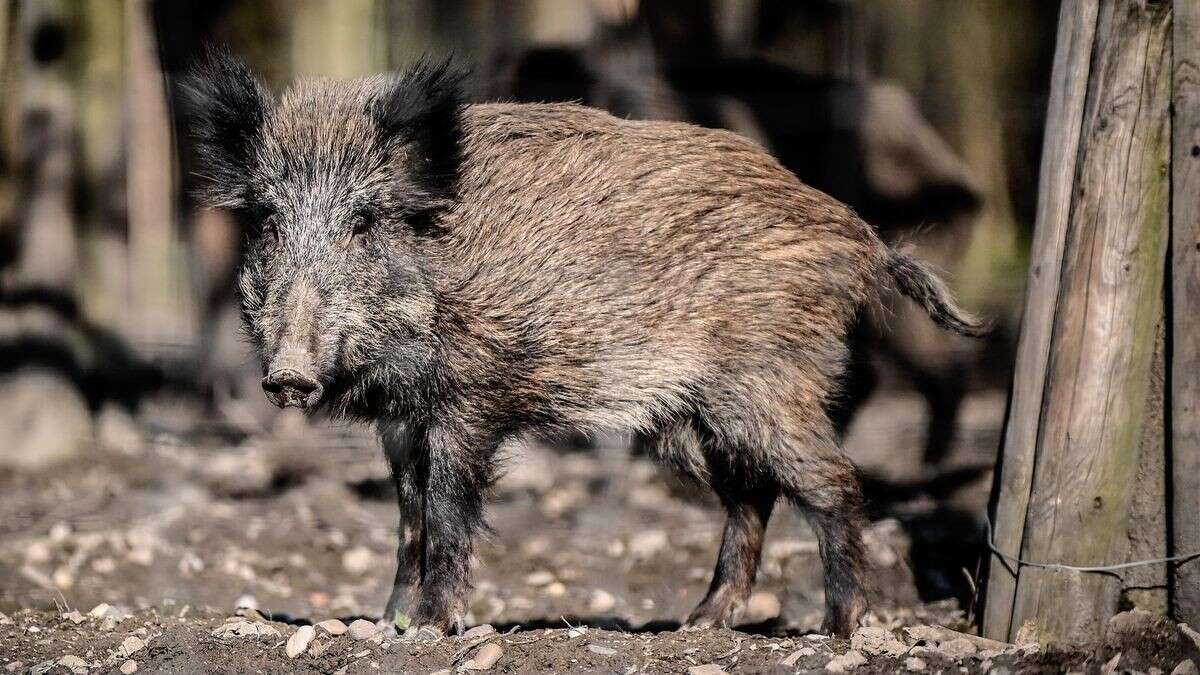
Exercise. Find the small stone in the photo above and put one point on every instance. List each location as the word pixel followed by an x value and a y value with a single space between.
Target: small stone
pixel 63 578
pixel 762 606
pixel 73 663
pixel 4 620
pixel 478 631
pixel 601 650
pixel 132 645
pixel 141 556
pixel 299 640
pixel 914 663
pixel 60 532
pixel 74 617
pixel 129 667
pixel 38 552
pixel 792 659
pixel 1187 667
pixel 555 590
pixel 247 601
pixel 601 601
pixel 485 657
pixel 846 662
pixel 1190 633
pixel 102 610
pixel 647 544
pixel 358 560
pixel 361 629
pixel 706 669
pixel 876 640
pixel 958 648
pixel 332 626
pixel 241 628
pixel 539 578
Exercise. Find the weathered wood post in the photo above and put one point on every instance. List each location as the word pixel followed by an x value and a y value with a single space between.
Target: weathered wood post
pixel 1185 308
pixel 1084 383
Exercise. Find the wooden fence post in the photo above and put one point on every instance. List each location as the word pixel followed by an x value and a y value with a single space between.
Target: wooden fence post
pixel 1060 151
pixel 1185 313
pixel 1096 383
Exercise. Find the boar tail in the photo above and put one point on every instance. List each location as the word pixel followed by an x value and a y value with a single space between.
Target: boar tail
pixel 917 281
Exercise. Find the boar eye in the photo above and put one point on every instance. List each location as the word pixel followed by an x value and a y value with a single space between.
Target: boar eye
pixel 361 223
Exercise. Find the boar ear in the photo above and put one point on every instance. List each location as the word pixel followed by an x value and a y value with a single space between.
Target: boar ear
pixel 421 110
pixel 226 108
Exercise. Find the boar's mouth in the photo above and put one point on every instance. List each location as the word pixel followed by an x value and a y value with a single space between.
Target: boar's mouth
pixel 292 382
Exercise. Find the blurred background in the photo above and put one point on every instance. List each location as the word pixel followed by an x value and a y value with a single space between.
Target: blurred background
pixel 141 464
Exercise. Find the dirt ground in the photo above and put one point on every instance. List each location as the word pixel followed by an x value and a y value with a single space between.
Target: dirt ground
pixel 174 546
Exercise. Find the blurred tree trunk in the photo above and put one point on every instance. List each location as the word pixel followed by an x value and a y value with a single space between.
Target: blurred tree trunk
pixel 42 122
pixel 99 72
pixel 161 305
pixel 338 38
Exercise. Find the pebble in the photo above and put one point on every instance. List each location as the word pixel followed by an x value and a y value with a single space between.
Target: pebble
pixel 792 659
pixel 243 628
pixel 73 616
pixel 60 532
pixel 555 590
pixel 1187 667
pixel 706 669
pixel 102 610
pixel 958 648
pixel 129 667
pixel 762 606
pixel 846 662
pixel 601 650
pixel 73 663
pixel 4 620
pixel 647 544
pixel 601 601
pixel 539 578
pixel 484 658
pixel 478 631
pixel 361 629
pixel 247 601
pixel 332 626
pixel 358 560
pixel 299 640
pixel 914 663
pixel 132 645
pixel 63 578
pixel 877 640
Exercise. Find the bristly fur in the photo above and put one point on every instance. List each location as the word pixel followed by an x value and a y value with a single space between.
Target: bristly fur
pixel 584 273
pixel 227 108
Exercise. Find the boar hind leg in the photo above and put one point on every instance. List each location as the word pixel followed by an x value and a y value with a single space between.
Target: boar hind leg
pixel 458 475
pixel 824 484
pixel 398 448
pixel 749 509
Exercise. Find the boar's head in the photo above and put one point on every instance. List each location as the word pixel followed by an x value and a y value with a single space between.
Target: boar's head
pixel 340 183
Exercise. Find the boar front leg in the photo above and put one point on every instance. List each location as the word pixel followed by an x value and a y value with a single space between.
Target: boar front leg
pixel 399 448
pixel 458 475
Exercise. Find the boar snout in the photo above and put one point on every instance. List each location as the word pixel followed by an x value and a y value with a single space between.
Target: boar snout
pixel 291 381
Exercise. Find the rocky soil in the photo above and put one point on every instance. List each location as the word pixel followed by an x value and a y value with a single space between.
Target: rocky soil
pixel 178 546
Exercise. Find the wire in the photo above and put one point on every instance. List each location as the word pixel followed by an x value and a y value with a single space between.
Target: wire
pixel 1077 568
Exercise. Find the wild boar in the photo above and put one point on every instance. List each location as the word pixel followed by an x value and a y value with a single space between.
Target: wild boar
pixel 459 275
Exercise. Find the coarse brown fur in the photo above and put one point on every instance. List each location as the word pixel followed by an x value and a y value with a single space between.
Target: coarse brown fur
pixel 461 275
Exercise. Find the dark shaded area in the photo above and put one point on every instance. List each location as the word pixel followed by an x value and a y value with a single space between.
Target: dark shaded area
pixel 95 360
